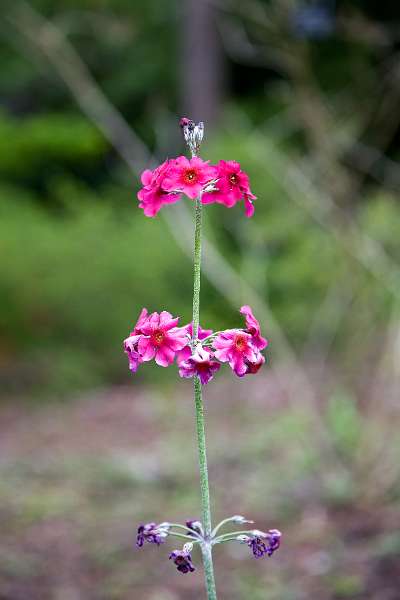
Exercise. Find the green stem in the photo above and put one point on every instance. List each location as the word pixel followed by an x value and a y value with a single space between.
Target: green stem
pixel 240 532
pixel 232 535
pixel 218 527
pixel 201 438
pixel 185 537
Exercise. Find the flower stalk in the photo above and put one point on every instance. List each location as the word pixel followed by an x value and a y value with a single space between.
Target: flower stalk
pixel 198 352
pixel 200 423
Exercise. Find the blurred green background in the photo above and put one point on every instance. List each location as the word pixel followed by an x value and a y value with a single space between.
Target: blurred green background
pixel 306 96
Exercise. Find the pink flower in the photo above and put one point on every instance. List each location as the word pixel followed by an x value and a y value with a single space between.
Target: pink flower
pixel 131 342
pixel 253 328
pixel 153 196
pixel 200 364
pixel 232 185
pixel 188 176
pixel 161 338
pixel 186 352
pixel 234 346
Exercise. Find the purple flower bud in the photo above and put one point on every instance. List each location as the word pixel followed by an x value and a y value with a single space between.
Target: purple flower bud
pixel 194 525
pixel 182 560
pixel 264 544
pixel 151 533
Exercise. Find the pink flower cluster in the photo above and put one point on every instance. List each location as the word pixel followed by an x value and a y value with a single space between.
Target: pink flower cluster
pixel 224 183
pixel 158 336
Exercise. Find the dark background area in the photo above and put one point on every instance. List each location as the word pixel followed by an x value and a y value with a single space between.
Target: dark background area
pixel 306 96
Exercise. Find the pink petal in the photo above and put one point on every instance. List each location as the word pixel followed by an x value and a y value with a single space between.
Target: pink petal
pixel 176 341
pixel 146 349
pixel 164 356
pixel 165 318
pixel 248 207
pixel 238 365
pixel 223 354
pixel 146 177
pixel 183 355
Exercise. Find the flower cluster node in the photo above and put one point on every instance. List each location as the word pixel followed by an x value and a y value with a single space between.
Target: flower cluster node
pixel 261 543
pixel 157 336
pixel 224 183
pixel 192 133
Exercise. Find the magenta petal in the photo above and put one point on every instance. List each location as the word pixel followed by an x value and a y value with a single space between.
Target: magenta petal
pixel 141 321
pixel 223 355
pixel 238 365
pixel 165 318
pixel 146 177
pixel 176 340
pixel 146 349
pixel 183 355
pixel 192 191
pixel 186 369
pixel 249 207
pixel 164 356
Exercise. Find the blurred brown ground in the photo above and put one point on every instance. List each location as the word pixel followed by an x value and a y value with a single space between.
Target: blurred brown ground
pixel 76 479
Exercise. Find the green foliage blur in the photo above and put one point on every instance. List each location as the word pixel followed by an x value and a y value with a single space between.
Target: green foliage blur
pixel 79 259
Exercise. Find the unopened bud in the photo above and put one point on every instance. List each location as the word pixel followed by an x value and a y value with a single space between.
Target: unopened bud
pixel 192 133
pixel 188 547
pixel 243 538
pixel 239 520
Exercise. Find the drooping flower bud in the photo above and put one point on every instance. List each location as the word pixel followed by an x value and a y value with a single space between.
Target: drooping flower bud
pixel 152 533
pixel 182 560
pixel 264 544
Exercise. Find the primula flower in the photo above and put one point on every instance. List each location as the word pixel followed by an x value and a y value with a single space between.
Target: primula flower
pixel 153 196
pixel 253 327
pixel 151 533
pixel 234 346
pixel 161 338
pixel 200 364
pixel 232 185
pixel 182 560
pixel 188 176
pixel 131 342
pixel 186 352
pixel 265 544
